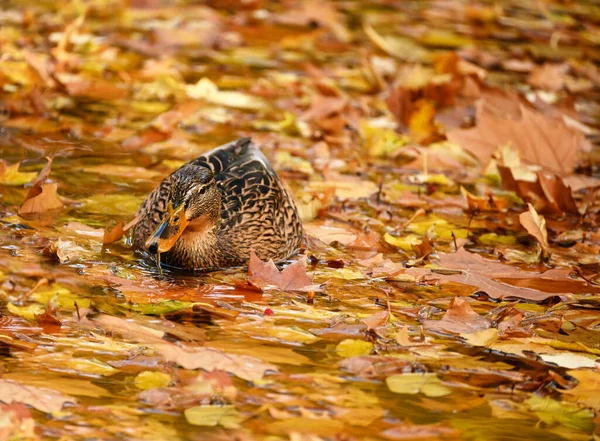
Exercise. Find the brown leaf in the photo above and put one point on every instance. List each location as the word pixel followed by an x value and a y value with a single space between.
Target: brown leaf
pixel 479 272
pixel 425 432
pixel 548 193
pixel 459 318
pixel 210 359
pixel 376 320
pixel 549 76
pixel 541 140
pixel 291 278
pixel 489 202
pixel 41 398
pixel 94 88
pixel 536 226
pixel 118 231
pixel 425 248
pixel 41 197
pixel 46 199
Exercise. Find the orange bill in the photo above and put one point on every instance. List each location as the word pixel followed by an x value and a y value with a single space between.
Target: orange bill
pixel 167 233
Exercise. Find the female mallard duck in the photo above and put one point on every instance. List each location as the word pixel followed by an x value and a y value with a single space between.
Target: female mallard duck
pixel 212 211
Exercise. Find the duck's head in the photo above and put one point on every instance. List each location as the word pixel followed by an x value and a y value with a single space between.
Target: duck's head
pixel 193 204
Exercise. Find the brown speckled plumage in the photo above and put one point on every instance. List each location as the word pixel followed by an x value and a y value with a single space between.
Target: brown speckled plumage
pixel 246 202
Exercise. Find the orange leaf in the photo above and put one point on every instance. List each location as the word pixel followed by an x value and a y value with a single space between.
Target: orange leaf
pixel 293 277
pixel 44 199
pixel 535 225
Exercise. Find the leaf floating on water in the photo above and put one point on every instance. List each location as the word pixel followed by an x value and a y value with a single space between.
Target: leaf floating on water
pixel 10 174
pixel 41 398
pixel 150 380
pixel 293 277
pixel 352 348
pixel 459 318
pixel 215 415
pixel 210 359
pixel 414 383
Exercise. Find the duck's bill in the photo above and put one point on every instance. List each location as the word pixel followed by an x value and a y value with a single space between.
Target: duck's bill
pixel 167 233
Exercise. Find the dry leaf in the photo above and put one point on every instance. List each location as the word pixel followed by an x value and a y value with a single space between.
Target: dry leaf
pixel 376 320
pixel 40 398
pixel 536 226
pixel 291 278
pixel 118 231
pixel 46 199
pixel 210 359
pixel 540 140
pixel 459 318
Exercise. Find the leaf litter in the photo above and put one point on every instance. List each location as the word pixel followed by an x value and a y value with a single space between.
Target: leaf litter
pixel 448 184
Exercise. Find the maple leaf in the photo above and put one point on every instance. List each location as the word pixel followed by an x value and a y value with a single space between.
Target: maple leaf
pixel 548 193
pixel 41 398
pixel 541 140
pixel 536 226
pixel 479 272
pixel 459 318
pixel 291 278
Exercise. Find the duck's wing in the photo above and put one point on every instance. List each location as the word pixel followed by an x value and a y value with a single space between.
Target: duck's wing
pixel 254 201
pixel 245 177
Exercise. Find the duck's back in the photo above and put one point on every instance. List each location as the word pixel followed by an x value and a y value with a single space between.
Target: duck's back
pixel 257 212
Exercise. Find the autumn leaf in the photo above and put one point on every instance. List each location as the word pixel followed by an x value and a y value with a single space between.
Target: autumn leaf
pixel 41 398
pixel 291 278
pixel 540 140
pixel 44 199
pixel 211 359
pixel 459 319
pixel 536 226
pixel 10 174
pixel 118 231
pixel 41 197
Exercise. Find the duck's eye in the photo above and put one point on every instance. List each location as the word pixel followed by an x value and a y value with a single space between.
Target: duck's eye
pixel 202 190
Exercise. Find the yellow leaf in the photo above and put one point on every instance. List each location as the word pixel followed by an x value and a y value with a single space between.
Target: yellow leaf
pixel 27 312
pixel 414 383
pixel 213 415
pixel 10 174
pixel 481 338
pixel 151 380
pixel 352 348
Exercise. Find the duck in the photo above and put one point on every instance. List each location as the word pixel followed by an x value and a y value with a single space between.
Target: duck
pixel 213 211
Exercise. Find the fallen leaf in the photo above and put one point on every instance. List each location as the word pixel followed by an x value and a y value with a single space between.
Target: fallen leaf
pixel 424 432
pixel 587 391
pixel 376 320
pixel 548 193
pixel 291 278
pixel 459 319
pixel 536 226
pixel 549 76
pixel 41 197
pixel 413 383
pixel 541 140
pixel 118 231
pixel 213 415
pixel 10 174
pixel 46 199
pixel 210 359
pixel 352 348
pixel 423 249
pixel 41 398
